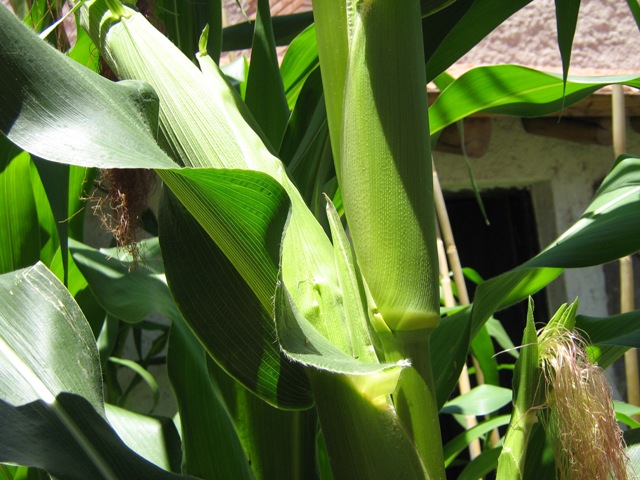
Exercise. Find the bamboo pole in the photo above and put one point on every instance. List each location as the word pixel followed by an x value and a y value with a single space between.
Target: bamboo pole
pixel 464 384
pixel 627 303
pixel 448 254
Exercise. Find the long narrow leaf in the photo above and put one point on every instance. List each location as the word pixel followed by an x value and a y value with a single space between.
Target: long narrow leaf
pixel 265 95
pixel 606 231
pixel 514 90
pixel 18 210
pixel 45 110
pixel 566 20
pixel 208 433
pixel 51 396
pixel 216 301
pixel 453 31
pixel 300 60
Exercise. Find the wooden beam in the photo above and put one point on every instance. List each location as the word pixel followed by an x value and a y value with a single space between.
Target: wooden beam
pixel 477 134
pixel 586 130
pixel 596 105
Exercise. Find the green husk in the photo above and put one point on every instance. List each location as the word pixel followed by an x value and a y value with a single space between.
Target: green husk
pixel 386 164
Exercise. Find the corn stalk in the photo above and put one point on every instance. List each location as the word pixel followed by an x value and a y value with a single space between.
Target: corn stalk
pixel 399 269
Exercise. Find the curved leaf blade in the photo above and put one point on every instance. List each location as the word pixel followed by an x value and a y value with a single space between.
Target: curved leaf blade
pixel 155 439
pixel 300 60
pixel 223 311
pixel 566 20
pixel 481 400
pixel 69 114
pixel 34 435
pixel 37 309
pixel 453 31
pixel 607 230
pixel 513 90
pixel 265 94
pixel 51 406
pixel 131 295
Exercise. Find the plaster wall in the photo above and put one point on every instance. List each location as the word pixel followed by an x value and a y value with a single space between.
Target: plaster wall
pixel 606 39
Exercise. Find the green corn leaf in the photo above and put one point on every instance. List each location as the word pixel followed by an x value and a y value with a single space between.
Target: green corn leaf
pixel 123 291
pixel 153 438
pixel 28 313
pixel 18 210
pixel 285 29
pixel 279 443
pixel 625 412
pixel 567 19
pixel 216 305
pixel 332 31
pixel 208 433
pixel 605 356
pixel 211 445
pixel 217 82
pixel 144 375
pixel 55 180
pixel 32 95
pixel 300 60
pixel 514 90
pixel 51 409
pixel 481 400
pixel 449 349
pixel 306 147
pixel 634 6
pixel 265 94
pixel 620 330
pixel 454 447
pixel 35 435
pixel 234 204
pixel 484 353
pixel 453 31
pixel 606 231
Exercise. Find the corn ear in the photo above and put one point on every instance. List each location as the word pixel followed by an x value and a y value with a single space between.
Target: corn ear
pixel 386 163
pixel 202 125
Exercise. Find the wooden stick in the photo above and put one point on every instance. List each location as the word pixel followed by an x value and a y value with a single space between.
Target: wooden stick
pixel 627 303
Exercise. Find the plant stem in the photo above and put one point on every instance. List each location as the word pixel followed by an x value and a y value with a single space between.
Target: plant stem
pixel 364 438
pixel 415 399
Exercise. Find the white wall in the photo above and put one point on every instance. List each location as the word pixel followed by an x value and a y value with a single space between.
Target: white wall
pixel 607 38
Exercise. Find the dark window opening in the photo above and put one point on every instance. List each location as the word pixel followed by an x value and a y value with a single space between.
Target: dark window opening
pixel 509 240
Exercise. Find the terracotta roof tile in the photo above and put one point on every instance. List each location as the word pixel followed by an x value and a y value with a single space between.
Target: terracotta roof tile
pixel 278 7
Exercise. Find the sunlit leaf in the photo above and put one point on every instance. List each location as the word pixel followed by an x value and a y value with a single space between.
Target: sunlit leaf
pixel 207 430
pixel 51 396
pixel 513 90
pixel 481 400
pixel 41 116
pixel 605 232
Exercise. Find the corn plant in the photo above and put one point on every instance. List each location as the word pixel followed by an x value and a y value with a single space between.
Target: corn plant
pixel 298 348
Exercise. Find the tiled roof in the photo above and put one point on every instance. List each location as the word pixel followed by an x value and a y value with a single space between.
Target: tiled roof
pixel 235 13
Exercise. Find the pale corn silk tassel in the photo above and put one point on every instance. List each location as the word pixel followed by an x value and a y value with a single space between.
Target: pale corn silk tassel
pixel 578 416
